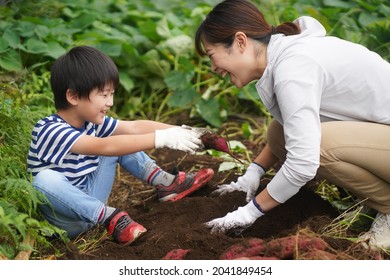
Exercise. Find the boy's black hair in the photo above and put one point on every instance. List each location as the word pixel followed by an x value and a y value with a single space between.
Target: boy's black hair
pixel 81 70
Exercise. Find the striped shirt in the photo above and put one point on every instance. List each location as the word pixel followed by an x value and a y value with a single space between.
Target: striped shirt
pixel 52 139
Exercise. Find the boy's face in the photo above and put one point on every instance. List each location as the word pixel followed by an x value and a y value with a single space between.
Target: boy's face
pixel 95 108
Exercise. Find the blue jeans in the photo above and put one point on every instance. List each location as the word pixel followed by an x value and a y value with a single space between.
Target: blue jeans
pixel 76 209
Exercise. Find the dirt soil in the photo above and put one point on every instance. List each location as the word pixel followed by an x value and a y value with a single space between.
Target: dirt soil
pixel 180 224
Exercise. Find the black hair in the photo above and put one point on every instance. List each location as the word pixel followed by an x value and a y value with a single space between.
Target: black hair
pixel 81 70
pixel 231 16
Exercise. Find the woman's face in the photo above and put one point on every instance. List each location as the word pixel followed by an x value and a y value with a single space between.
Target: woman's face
pixel 239 61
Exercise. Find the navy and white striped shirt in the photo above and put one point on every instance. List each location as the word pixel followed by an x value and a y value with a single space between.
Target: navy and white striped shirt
pixel 52 139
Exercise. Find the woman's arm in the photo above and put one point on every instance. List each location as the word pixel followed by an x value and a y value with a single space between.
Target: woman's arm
pixel 266 159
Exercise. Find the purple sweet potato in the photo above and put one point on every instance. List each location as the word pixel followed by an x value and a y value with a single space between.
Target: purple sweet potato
pixel 287 247
pixel 176 254
pixel 217 142
pixel 247 249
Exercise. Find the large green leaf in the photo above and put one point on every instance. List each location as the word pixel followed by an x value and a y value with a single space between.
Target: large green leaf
pixel 177 80
pixel 3 45
pixel 209 110
pixel 11 61
pixel 183 98
pixel 126 81
pixel 84 21
pixel 36 46
pixel 11 37
pixel 55 50
pixel 110 48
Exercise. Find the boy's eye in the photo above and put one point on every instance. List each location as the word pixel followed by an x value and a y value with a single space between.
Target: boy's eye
pixel 107 92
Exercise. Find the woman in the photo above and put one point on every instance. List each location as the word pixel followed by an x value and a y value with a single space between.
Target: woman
pixel 330 100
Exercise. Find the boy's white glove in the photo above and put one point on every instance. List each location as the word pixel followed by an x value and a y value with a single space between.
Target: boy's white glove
pixel 178 138
pixel 199 130
pixel 248 183
pixel 236 221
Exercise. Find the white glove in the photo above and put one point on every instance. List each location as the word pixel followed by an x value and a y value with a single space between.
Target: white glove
pixel 199 130
pixel 178 138
pixel 236 221
pixel 248 183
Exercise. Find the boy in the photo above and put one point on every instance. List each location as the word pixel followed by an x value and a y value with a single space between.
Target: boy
pixel 73 153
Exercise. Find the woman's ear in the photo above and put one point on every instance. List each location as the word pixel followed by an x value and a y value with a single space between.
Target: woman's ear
pixel 72 97
pixel 241 40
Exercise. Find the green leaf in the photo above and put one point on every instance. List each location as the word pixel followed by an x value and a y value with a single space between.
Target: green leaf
pixel 181 44
pixel 177 80
pixel 42 31
pixel 339 4
pixel 83 21
pixel 246 130
pixel 154 64
pixel 227 165
pixel 183 97
pixel 55 50
pixel 366 19
pixel 186 65
pixel 35 46
pixel 3 45
pixel 11 37
pixel 148 29
pixel 162 28
pixel 110 48
pixel 209 111
pixel 11 61
pixel 237 146
pixel 126 81
pixel 25 28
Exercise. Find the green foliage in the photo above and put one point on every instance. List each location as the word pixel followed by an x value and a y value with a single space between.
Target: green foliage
pixel 365 22
pixel 150 41
pixel 19 201
pixel 152 44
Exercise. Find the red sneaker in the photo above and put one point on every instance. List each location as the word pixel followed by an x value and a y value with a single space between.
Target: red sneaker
pixel 123 229
pixel 184 184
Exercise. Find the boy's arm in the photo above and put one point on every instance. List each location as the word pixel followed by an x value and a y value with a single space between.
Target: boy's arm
pixel 115 145
pixel 139 127
pixel 173 137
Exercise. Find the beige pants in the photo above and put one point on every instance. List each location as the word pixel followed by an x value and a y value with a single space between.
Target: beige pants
pixel 354 155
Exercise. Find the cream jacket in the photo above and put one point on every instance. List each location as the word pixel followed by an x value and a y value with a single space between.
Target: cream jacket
pixel 311 78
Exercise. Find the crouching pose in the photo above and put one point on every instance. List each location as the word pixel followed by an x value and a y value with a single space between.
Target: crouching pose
pixel 330 102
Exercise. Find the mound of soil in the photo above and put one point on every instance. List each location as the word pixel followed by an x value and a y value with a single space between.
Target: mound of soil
pixel 180 224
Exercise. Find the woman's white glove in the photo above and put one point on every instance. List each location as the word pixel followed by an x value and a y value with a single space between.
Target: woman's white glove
pixel 178 138
pixel 236 221
pixel 248 183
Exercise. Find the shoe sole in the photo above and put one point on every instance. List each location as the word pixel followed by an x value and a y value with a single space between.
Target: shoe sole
pixel 137 234
pixel 200 182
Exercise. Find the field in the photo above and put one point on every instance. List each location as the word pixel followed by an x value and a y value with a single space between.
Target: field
pixel 298 229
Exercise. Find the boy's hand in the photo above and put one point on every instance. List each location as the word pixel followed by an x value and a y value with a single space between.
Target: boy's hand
pixel 199 130
pixel 178 138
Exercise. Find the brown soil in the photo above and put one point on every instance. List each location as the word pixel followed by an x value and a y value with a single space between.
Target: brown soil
pixel 179 225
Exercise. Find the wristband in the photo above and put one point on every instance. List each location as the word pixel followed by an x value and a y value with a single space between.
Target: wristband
pixel 265 170
pixel 257 205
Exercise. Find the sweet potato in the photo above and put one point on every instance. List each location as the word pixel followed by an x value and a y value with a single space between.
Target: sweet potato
pixel 250 248
pixel 317 254
pixel 217 142
pixel 287 247
pixel 176 254
pixel 257 258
